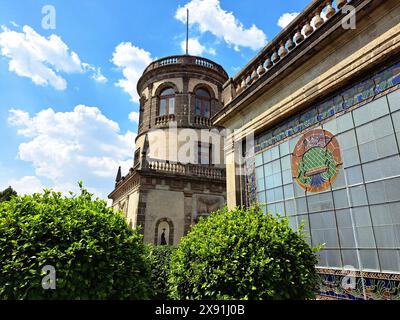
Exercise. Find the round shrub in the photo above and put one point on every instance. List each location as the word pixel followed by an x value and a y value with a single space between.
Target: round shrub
pixel 94 252
pixel 243 254
pixel 159 259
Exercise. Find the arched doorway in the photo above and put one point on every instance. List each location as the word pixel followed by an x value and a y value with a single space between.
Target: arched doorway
pixel 164 232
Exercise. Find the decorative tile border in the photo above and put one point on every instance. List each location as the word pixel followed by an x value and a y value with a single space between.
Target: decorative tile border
pixel 379 84
pixel 357 285
pixel 360 274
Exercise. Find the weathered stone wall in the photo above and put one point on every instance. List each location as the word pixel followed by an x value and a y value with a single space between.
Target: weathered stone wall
pixel 164 204
pixel 174 145
pixel 180 202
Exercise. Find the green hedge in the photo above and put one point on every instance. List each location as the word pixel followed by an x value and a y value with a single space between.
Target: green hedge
pixel 94 252
pixel 159 259
pixel 243 254
pixel 238 254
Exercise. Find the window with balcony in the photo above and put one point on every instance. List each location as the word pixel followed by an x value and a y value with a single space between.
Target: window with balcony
pixel 203 103
pixel 167 102
pixel 204 153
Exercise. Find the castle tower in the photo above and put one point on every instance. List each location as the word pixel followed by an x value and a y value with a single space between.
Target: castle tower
pixel 178 174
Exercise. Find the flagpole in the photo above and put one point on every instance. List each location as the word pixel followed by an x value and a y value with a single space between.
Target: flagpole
pixel 187 31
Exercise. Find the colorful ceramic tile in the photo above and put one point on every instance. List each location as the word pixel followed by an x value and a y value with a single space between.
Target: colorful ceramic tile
pixel 316 160
pixel 356 95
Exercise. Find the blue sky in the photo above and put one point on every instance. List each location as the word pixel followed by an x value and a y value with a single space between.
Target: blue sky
pixel 67 101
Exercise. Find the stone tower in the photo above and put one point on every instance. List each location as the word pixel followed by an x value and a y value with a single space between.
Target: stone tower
pixel 178 174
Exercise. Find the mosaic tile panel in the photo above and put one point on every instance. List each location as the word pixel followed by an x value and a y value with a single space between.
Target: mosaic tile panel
pixel 359 286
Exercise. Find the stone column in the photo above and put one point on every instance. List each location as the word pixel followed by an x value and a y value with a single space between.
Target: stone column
pixel 188 200
pixel 141 211
pixel 231 181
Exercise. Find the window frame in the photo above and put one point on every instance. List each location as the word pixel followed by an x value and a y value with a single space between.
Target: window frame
pixel 136 158
pixel 166 98
pixel 202 100
pixel 202 146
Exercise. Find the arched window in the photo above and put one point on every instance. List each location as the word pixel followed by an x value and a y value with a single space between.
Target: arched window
pixel 203 103
pixel 141 109
pixel 167 102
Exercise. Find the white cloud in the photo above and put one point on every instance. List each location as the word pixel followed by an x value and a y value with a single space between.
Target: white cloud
pixel 32 184
pixel 132 61
pixel 99 77
pixel 134 117
pixel 96 73
pixel 26 185
pixel 210 17
pixel 196 48
pixel 286 19
pixel 41 59
pixel 66 147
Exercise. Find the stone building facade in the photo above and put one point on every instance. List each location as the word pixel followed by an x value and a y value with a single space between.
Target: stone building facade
pixel 316 116
pixel 178 174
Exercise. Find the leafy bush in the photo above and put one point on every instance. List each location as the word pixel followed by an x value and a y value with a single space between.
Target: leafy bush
pixel 159 258
pixel 243 254
pixel 6 194
pixel 94 252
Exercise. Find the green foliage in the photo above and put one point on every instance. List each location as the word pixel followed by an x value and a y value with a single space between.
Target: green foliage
pixel 6 194
pixel 94 252
pixel 159 259
pixel 243 254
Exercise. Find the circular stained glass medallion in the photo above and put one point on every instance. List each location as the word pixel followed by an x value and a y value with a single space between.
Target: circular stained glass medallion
pixel 316 160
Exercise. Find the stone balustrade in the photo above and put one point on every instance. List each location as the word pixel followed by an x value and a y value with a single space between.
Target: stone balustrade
pixel 168 61
pixel 302 27
pixel 184 169
pixel 185 59
pixel 157 165
pixel 202 121
pixel 163 120
pixel 204 63
pixel 205 171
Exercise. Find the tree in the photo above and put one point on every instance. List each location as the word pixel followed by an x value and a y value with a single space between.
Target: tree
pixel 159 259
pixel 93 251
pixel 6 194
pixel 243 254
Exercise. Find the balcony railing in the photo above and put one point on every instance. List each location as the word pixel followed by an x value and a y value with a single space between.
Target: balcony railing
pixel 185 59
pixel 202 121
pixel 162 120
pixel 301 28
pixel 168 61
pixel 185 169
